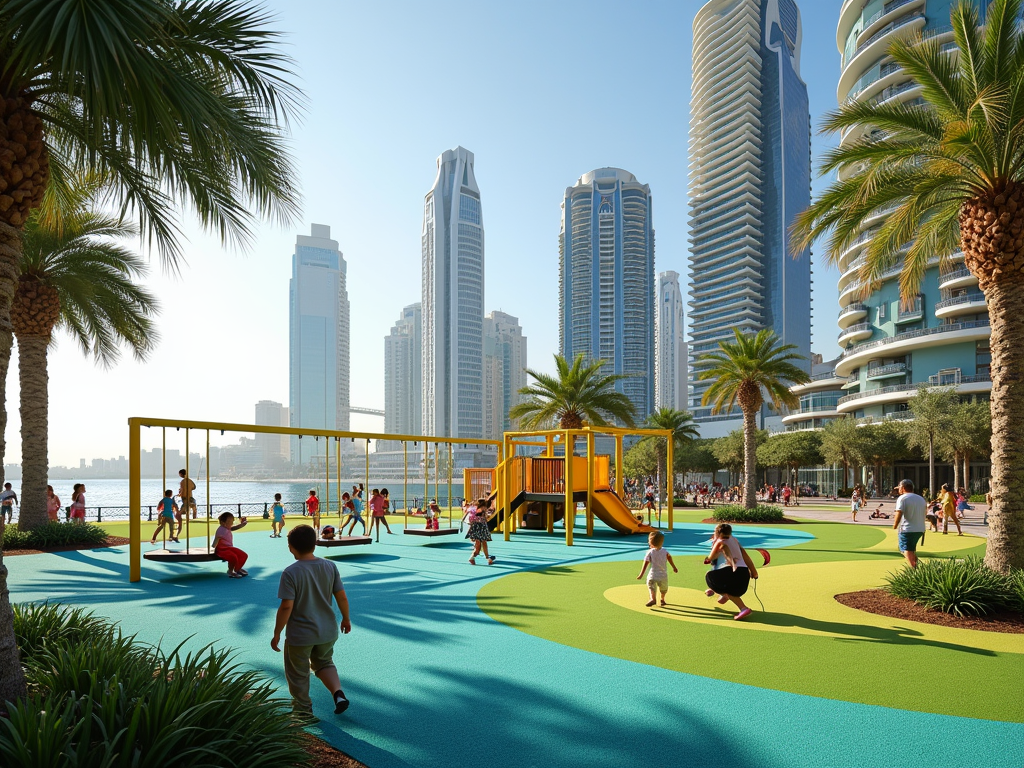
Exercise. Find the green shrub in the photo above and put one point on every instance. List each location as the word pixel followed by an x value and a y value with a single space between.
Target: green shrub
pixel 1016 581
pixel 53 535
pixel 961 587
pixel 977 498
pixel 682 503
pixel 103 699
pixel 762 513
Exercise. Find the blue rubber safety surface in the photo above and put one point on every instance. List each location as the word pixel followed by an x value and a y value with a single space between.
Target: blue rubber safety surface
pixel 436 682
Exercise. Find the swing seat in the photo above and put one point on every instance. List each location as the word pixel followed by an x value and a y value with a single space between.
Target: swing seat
pixel 430 531
pixel 190 555
pixel 344 541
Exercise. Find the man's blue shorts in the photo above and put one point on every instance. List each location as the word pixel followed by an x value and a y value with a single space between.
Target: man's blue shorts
pixel 908 540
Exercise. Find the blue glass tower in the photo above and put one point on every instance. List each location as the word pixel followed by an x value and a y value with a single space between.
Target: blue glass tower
pixel 750 175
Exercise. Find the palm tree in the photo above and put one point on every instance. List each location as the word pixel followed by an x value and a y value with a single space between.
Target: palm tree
pixel 175 105
pixel 683 430
pixel 580 394
pixel 933 415
pixel 843 443
pixel 745 372
pixel 952 166
pixel 75 278
pixel 969 434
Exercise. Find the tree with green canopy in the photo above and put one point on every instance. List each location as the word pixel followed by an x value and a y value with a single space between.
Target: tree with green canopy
pixel 952 164
pixel 680 423
pixel 933 416
pixel 578 394
pixel 173 105
pixel 842 443
pixel 745 372
pixel 791 451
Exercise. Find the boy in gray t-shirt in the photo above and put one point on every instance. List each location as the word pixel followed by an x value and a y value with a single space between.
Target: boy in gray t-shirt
pixel 307 587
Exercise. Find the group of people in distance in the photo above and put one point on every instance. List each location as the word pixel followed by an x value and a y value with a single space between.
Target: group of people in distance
pixel 76 512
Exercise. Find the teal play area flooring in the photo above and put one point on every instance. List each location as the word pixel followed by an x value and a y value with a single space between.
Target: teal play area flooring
pixel 544 660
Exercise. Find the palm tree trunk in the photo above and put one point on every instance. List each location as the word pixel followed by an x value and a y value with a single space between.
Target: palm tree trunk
pixel 931 466
pixel 12 677
pixel 34 381
pixel 749 458
pixel 956 470
pixel 1006 518
pixel 967 473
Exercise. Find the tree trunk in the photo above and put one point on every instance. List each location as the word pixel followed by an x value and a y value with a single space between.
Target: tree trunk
pixel 34 381
pixel 967 473
pixel 1006 518
pixel 931 466
pixel 749 458
pixel 12 677
pixel 956 470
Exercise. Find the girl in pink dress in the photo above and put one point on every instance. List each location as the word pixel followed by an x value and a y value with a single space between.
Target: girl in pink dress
pixel 52 504
pixel 78 503
pixel 224 545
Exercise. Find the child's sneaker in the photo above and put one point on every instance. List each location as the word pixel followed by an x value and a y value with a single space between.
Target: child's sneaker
pixel 742 614
pixel 340 702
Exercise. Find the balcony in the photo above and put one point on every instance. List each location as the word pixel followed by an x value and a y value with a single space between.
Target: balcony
pixel 886 371
pixel 895 346
pixel 884 31
pixel 851 313
pixel 895 390
pixel 856 332
pixel 960 277
pixel 968 304
pixel 853 380
pixel 894 90
pixel 911 312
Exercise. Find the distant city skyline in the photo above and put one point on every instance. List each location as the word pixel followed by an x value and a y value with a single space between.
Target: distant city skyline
pixel 224 324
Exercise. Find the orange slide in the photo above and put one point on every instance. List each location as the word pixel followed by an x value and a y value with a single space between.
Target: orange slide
pixel 611 510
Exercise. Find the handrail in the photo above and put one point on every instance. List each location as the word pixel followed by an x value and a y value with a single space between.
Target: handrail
pixel 948 328
pixel 967 298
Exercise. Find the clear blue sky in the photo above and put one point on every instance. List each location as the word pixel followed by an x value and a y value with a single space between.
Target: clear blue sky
pixel 541 92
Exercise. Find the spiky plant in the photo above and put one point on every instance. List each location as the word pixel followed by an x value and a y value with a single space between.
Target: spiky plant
pixel 746 372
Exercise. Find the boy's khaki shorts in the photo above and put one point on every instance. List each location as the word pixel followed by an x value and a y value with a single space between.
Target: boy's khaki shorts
pixel 298 661
pixel 661 584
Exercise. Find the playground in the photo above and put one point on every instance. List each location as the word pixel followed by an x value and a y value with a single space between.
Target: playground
pixel 549 657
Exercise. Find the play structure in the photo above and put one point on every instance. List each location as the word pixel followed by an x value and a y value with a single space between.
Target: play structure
pixel 534 491
pixel 527 491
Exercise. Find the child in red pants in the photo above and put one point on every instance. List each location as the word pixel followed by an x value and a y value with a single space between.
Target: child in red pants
pixel 224 545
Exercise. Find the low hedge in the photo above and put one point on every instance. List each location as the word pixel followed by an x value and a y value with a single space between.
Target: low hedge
pixel 762 513
pixel 53 535
pixel 99 698
pixel 964 587
pixel 978 498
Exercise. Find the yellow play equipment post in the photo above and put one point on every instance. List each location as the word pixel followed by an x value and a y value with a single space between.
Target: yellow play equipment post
pixel 136 424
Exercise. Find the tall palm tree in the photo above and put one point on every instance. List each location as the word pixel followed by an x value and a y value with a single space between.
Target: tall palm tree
pixel 75 277
pixel 176 105
pixel 683 430
pixel 954 167
pixel 746 371
pixel 579 394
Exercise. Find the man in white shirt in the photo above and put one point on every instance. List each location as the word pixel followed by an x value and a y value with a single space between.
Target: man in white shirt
pixel 910 521
pixel 8 498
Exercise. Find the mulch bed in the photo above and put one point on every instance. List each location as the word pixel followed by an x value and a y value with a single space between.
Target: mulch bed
pixel 730 522
pixel 880 602
pixel 323 755
pixel 112 541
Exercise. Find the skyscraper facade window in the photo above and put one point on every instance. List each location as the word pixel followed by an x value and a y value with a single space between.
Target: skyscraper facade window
pixel 318 354
pixel 504 371
pixel 750 175
pixel 606 279
pixel 670 345
pixel 403 360
pixel 892 347
pixel 453 300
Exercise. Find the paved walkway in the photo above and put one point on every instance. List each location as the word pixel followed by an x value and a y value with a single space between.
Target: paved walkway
pixel 839 512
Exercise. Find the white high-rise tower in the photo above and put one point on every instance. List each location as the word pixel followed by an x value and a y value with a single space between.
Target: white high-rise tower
pixel 453 300
pixel 670 345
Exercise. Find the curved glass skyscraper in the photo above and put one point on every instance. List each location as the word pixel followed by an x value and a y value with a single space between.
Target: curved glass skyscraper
pixel 606 279
pixel 941 337
pixel 750 175
pixel 453 300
